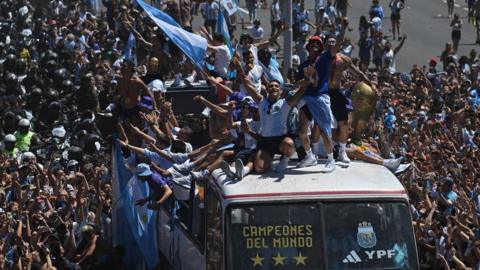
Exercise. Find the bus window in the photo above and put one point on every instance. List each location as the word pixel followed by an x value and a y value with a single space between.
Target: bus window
pixel 280 236
pixel 214 231
pixel 369 236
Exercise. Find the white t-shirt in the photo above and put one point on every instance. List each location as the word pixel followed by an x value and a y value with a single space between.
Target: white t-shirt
pixel 255 76
pixel 377 24
pixel 273 117
pixel 252 48
pixel 250 142
pixel 257 33
pixel 389 59
pixel 222 60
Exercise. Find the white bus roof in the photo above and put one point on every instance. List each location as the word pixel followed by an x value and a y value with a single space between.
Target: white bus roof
pixel 359 180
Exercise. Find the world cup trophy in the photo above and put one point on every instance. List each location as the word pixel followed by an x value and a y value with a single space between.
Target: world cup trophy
pixel 364 99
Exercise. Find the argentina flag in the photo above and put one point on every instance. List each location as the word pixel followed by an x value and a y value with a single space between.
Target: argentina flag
pixel 192 45
pixel 134 228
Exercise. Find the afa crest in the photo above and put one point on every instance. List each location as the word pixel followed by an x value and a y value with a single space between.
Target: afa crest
pixel 366 237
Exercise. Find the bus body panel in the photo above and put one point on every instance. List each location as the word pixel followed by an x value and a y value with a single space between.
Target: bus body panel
pixel 361 182
pixel 177 247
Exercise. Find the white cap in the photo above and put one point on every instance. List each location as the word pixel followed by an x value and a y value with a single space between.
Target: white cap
pixel 59 132
pixel 9 138
pixel 28 157
pixel 23 10
pixel 26 32
pixel 295 60
pixel 157 86
pixel 24 123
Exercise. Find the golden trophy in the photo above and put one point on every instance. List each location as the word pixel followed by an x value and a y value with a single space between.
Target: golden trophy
pixel 364 100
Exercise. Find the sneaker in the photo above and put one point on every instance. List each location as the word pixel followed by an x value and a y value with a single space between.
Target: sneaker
pixel 393 164
pixel 226 169
pixel 282 165
pixel 402 168
pixel 342 156
pixel 329 166
pixel 178 81
pixel 308 160
pixel 239 169
pixel 190 79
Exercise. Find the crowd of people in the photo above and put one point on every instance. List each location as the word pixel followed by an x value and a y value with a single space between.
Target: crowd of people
pixel 73 87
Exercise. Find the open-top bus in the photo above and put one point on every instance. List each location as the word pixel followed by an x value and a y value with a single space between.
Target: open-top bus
pixel 355 218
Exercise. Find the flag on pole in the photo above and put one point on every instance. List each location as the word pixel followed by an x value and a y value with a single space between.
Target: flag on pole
pixel 230 6
pixel 222 28
pixel 192 45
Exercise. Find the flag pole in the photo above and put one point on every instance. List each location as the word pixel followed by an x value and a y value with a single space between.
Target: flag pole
pixel 287 39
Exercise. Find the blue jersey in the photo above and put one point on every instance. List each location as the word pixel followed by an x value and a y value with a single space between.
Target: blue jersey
pixel 323 66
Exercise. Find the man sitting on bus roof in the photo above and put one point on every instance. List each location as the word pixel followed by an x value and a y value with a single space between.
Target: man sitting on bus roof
pixel 273 111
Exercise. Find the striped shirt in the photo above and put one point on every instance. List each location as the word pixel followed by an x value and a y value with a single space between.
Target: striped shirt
pixel 211 11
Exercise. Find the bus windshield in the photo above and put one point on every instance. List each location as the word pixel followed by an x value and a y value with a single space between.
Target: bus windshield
pixel 330 235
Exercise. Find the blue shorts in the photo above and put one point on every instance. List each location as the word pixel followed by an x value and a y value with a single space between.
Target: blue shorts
pixel 321 111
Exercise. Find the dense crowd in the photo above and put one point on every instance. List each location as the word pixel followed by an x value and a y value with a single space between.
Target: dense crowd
pixel 72 85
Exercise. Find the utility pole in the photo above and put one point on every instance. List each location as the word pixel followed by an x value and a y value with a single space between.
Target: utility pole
pixel 287 38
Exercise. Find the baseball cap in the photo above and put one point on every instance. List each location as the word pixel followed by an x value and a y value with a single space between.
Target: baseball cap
pixel 24 123
pixel 146 102
pixel 71 164
pixel 295 60
pixel 313 39
pixel 143 170
pixel 9 138
pixel 59 132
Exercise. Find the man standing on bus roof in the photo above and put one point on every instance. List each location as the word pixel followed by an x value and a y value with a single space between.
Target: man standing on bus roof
pixel 318 103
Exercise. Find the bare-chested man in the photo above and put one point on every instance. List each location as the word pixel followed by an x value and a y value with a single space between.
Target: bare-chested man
pixel 130 89
pixel 338 101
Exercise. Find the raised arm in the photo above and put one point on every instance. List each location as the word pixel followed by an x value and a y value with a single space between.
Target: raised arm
pixel 135 149
pixel 140 133
pixel 340 37
pixel 214 107
pixel 266 43
pixel 145 90
pixel 303 86
pixel 399 46
pixel 219 85
pixel 251 90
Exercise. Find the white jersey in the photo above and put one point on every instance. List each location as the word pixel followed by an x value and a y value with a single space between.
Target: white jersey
pixel 273 117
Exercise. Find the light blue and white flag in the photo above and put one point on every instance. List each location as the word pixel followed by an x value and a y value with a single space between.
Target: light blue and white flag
pixel 134 228
pixel 192 45
pixel 222 28
pixel 273 70
pixel 129 51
